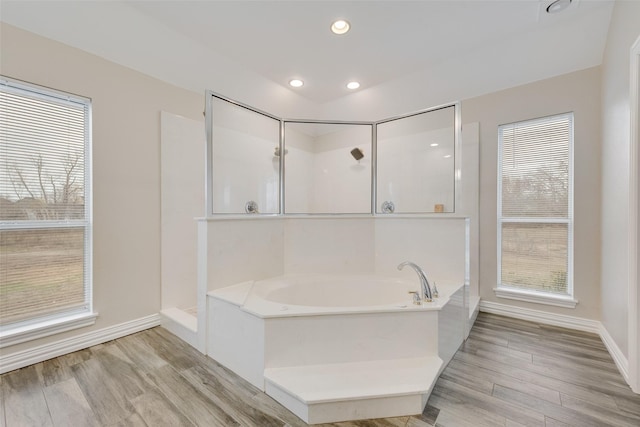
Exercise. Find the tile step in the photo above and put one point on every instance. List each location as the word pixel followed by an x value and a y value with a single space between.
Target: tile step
pixel 349 391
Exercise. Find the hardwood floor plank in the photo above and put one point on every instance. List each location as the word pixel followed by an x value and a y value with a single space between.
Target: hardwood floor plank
pixel 133 420
pixel 474 383
pixel 246 392
pixel 475 345
pixel 122 372
pixel 53 371
pixel 464 416
pixel 502 357
pixel 558 349
pixel 225 398
pixel 266 404
pixel 105 396
pixel 463 370
pixel 558 412
pixel 469 405
pixel 573 362
pixel 198 408
pixel 68 406
pixel 605 383
pixel 429 415
pixel 509 373
pixel 415 422
pixel 533 378
pixel 386 422
pixel 141 353
pixel 24 402
pixel 615 417
pixel 76 357
pixel 167 351
pixel 629 404
pixel 195 357
pixel 478 336
pixel 550 422
pixel 155 410
pixel 3 422
pixel 231 381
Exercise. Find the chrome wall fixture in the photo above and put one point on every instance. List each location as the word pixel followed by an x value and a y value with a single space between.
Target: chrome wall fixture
pixel 251 207
pixel 388 207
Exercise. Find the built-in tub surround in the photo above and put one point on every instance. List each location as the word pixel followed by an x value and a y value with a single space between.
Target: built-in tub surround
pixel 364 350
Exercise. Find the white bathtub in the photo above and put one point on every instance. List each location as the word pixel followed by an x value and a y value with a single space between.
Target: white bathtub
pixel 279 333
pixel 300 295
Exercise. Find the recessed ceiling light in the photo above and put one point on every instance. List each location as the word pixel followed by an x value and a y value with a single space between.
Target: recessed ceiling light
pixel 447 156
pixel 558 6
pixel 296 83
pixel 353 85
pixel 435 144
pixel 340 26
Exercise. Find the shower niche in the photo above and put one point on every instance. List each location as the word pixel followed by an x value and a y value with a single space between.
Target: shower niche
pixel 259 164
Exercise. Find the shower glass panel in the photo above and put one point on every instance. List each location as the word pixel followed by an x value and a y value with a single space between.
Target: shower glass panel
pixel 245 160
pixel 416 163
pixel 327 168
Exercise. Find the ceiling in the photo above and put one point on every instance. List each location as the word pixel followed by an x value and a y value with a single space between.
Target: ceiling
pixel 487 43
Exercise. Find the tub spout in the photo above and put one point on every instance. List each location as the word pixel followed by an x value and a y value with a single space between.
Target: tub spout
pixel 425 288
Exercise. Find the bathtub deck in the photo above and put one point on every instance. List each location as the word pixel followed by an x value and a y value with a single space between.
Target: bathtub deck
pixel 342 391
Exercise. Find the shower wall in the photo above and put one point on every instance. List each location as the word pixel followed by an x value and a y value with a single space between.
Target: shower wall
pixel 321 175
pixel 252 249
pixel 245 166
pixel 402 174
pixel 182 143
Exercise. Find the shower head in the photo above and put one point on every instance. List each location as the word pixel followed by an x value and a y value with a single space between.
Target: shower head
pixel 357 153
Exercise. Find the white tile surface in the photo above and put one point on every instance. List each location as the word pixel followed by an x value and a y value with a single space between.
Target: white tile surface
pixel 340 392
pixel 312 340
pixel 236 340
pixel 341 245
pixel 243 249
pixel 435 244
pixel 182 189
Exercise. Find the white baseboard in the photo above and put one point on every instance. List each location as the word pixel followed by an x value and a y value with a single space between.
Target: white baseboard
pixel 539 316
pixel 564 321
pixel 181 324
pixel 20 359
pixel 621 361
pixel 474 309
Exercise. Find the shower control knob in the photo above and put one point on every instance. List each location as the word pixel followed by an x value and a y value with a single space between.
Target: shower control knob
pixel 416 297
pixel 251 207
pixel 388 207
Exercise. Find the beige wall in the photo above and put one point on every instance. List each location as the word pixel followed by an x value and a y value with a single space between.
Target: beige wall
pixel 126 166
pixel 578 92
pixel 623 32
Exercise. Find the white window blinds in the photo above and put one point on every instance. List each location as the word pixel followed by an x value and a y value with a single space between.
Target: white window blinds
pixel 535 205
pixel 45 234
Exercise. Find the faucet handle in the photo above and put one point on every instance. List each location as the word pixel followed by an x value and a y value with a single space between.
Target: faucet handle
pixel 434 291
pixel 416 297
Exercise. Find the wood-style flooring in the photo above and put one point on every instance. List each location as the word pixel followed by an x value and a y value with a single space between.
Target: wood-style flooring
pixel 508 373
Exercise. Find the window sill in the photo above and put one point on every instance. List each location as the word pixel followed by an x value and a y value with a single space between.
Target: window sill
pixel 18 334
pixel 536 297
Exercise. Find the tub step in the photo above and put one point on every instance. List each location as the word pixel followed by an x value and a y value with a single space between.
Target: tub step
pixel 351 391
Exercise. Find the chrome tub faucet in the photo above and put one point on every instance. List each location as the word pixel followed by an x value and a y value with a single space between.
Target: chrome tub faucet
pixel 425 288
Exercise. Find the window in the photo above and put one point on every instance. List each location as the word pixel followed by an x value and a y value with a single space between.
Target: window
pixel 535 210
pixel 45 212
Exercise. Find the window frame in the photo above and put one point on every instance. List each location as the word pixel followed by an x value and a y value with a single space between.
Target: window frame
pixel 531 295
pixel 53 323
